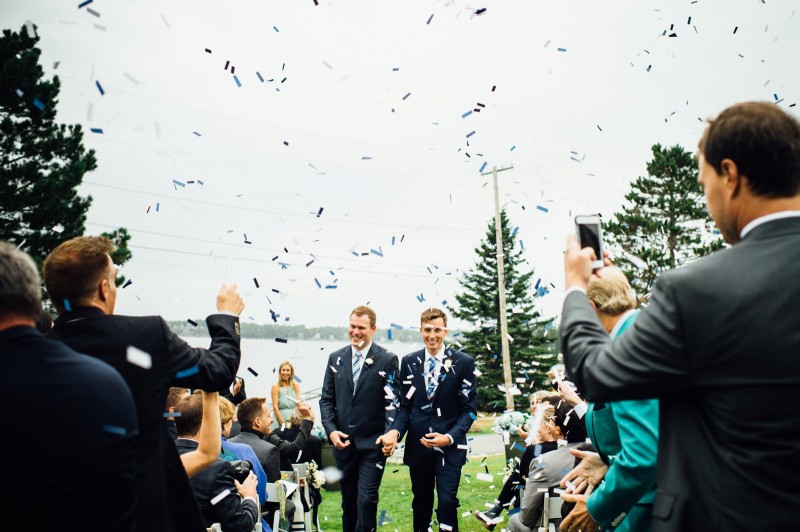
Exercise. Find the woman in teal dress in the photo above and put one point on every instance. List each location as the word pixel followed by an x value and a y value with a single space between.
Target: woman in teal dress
pixel 624 433
pixel 285 394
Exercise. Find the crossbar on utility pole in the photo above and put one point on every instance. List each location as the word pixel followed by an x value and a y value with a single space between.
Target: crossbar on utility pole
pixel 501 289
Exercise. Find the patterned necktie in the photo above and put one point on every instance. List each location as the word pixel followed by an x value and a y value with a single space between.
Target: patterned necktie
pixel 431 376
pixel 356 369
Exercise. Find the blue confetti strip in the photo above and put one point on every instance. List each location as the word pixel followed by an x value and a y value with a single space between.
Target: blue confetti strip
pixel 100 88
pixel 96 130
pixel 259 76
pixel 513 148
pixel 297 379
pixel 483 166
pixel 562 49
pixel 120 431
pixel 393 240
pixel 376 252
pixel 276 29
pixel 176 182
pixel 541 208
pixel 389 334
pixel 187 372
pixel 86 3
pixel 236 79
pixel 395 326
pixel 470 134
pixel 38 103
pixel 67 306
pixel 473 416
pixel 319 285
pixel 466 114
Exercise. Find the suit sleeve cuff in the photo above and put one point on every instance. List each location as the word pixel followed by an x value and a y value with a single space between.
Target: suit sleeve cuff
pixel 581 409
pixel 580 289
pixel 226 313
pixel 452 441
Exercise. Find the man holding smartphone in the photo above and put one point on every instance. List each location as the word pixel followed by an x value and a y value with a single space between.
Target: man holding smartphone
pixel 716 334
pixel 438 404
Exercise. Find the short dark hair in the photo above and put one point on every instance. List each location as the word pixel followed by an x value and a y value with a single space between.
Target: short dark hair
pixel 764 142
pixel 175 394
pixel 191 410
pixel 363 310
pixel 431 314
pixel 248 410
pixel 20 295
pixel 75 267
pixel 571 424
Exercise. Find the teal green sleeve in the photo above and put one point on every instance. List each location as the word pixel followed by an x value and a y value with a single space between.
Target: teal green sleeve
pixel 631 478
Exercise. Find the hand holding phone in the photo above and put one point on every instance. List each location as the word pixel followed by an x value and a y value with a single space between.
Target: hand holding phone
pixel 590 236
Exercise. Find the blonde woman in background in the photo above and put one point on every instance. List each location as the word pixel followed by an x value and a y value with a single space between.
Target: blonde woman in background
pixel 285 394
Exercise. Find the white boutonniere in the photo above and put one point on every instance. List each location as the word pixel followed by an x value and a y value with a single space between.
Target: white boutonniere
pixel 448 362
pixel 369 361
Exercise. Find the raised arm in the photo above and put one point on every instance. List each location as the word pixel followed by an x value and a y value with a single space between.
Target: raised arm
pixel 209 437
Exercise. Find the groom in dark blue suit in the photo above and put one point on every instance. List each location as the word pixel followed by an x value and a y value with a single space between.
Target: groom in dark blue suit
pixel 438 404
pixel 357 404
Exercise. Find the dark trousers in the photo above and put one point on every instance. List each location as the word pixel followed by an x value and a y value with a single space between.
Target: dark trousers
pixel 517 478
pixel 361 477
pixel 434 472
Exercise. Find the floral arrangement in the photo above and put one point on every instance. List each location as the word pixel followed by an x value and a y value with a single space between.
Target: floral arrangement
pixel 319 432
pixel 509 422
pixel 315 477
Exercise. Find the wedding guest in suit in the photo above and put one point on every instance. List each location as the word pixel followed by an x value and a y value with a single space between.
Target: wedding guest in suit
pixel 624 433
pixel 438 404
pixel 240 451
pixel 80 280
pixel 77 413
pixel 285 395
pixel 716 333
pixel 221 497
pixel 357 405
pixel 558 423
pixel 174 396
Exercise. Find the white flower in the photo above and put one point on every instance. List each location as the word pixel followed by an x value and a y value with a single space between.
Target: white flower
pixel 369 361
pixel 447 363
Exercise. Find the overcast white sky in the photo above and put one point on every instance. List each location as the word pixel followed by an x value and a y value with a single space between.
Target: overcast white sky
pixel 371 108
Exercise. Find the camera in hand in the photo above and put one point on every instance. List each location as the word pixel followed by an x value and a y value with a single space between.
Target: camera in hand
pixel 241 469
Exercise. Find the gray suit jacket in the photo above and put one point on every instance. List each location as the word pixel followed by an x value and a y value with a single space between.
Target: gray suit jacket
pixel 545 472
pixel 267 454
pixel 719 345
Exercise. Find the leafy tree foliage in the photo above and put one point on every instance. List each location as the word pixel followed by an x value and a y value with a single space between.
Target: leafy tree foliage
pixel 534 346
pixel 664 222
pixel 42 163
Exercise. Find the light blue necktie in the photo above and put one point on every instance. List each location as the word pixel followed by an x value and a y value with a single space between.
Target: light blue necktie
pixel 432 376
pixel 356 369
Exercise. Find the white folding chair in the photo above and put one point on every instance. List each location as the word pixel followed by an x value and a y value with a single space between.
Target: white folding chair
pixel 551 510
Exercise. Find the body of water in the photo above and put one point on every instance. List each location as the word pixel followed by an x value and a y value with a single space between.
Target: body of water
pixel 309 358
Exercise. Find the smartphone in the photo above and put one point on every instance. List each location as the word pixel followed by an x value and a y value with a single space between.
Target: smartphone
pixel 590 236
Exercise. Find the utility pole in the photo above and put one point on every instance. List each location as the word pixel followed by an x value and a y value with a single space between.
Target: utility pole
pixel 501 290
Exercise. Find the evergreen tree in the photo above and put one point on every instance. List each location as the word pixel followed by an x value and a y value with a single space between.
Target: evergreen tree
pixel 534 347
pixel 664 223
pixel 42 163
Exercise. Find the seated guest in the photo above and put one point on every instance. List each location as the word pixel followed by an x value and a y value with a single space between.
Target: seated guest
pixel 509 493
pixel 72 463
pixel 240 451
pixel 208 437
pixel 221 497
pixel 313 448
pixel 175 394
pixel 559 422
pixel 624 433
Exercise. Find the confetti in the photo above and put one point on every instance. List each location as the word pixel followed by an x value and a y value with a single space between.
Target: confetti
pixel 251 370
pixel 187 372
pixel 221 496
pixel 429 19
pixel 282 340
pixel 137 357
pixel 96 130
pixel 120 431
pixel 192 323
pixel 85 3
pixel 100 88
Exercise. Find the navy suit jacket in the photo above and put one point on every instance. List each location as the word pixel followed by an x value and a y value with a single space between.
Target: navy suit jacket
pixel 232 512
pixel 69 445
pixel 719 345
pixel 166 501
pixel 451 410
pixel 366 414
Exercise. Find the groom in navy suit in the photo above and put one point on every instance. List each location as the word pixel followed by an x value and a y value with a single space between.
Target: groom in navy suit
pixel 357 404
pixel 438 404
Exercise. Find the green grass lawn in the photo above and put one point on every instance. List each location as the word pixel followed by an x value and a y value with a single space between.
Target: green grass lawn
pixel 395 497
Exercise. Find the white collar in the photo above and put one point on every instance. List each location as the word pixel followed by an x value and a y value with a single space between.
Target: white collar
pixel 615 331
pixel 364 350
pixel 438 356
pixel 767 218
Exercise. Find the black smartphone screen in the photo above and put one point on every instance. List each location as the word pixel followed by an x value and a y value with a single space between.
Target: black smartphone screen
pixel 590 237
